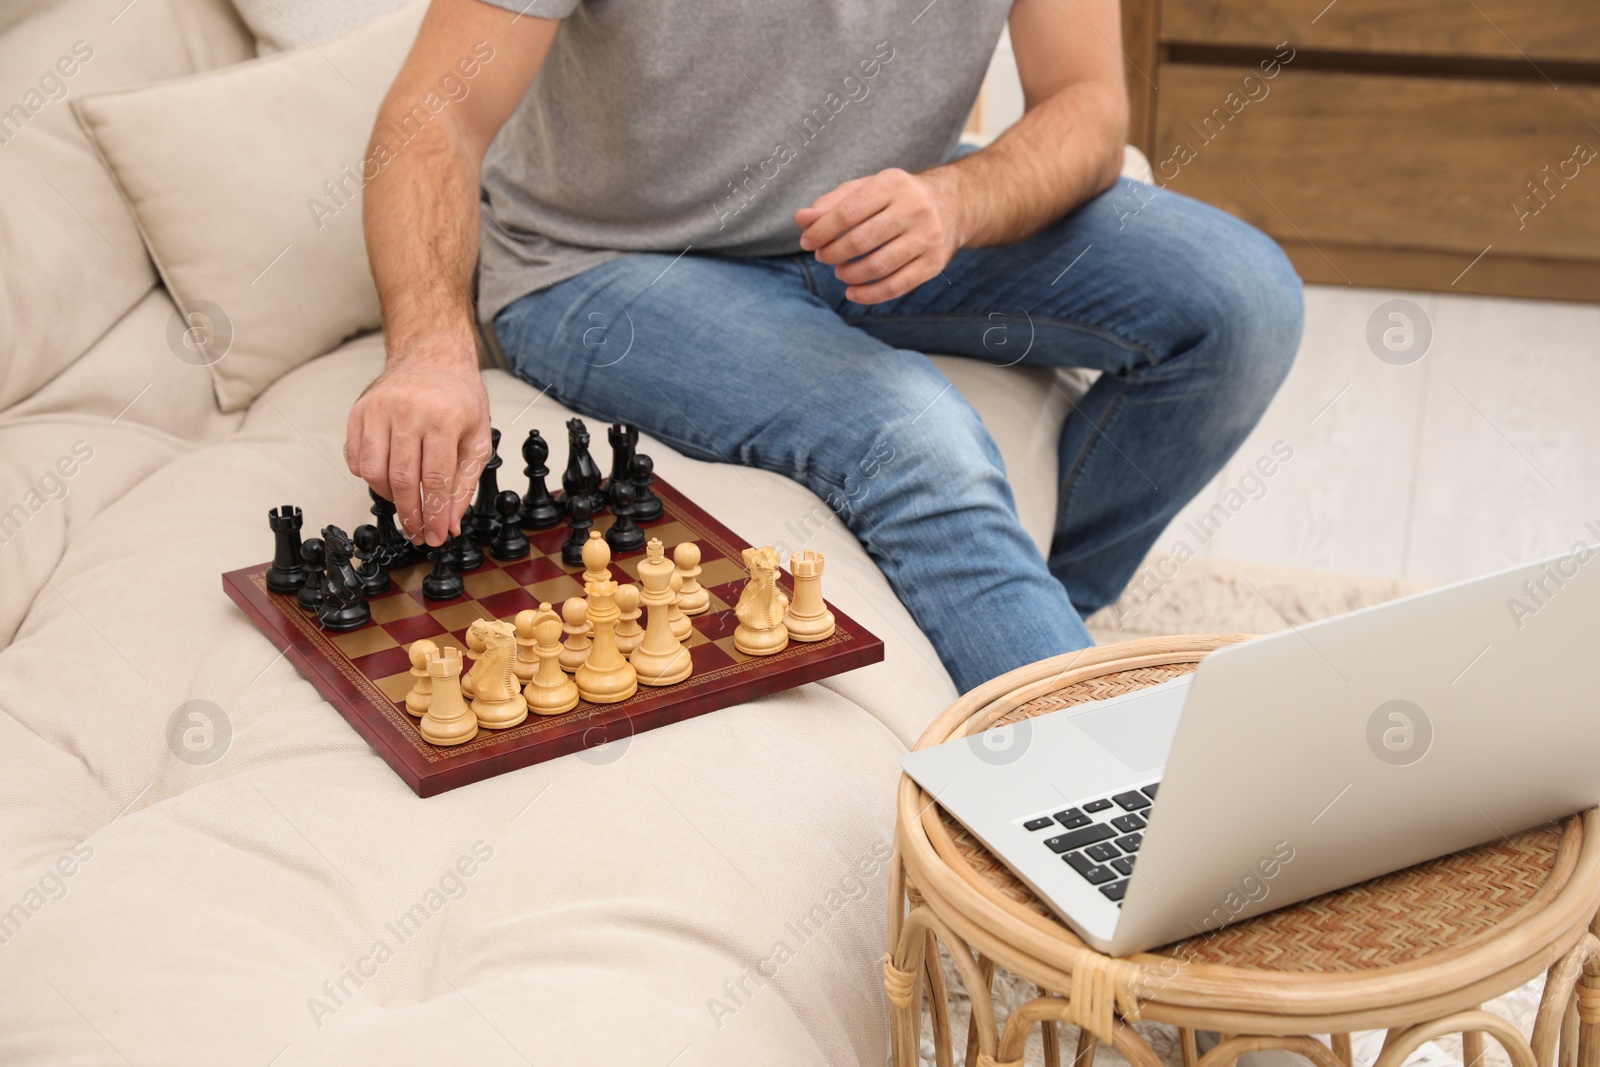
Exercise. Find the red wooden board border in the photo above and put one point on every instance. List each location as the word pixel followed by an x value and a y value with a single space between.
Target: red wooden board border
pixel 430 770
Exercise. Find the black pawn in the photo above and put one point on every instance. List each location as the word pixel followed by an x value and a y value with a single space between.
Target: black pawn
pixel 444 581
pixel 482 520
pixel 625 534
pixel 288 571
pixel 310 596
pixel 580 517
pixel 509 540
pixel 468 556
pixel 646 505
pixel 369 545
pixel 539 509
pixel 394 550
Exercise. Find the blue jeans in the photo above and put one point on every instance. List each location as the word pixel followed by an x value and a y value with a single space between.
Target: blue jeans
pixel 1192 316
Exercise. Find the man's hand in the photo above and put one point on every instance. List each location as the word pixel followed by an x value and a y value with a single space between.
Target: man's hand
pixel 419 435
pixel 884 234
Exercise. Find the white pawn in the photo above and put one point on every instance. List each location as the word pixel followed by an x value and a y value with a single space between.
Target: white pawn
pixel 422 682
pixel 677 621
pixel 527 660
pixel 575 618
pixel 629 632
pixel 549 691
pixel 696 599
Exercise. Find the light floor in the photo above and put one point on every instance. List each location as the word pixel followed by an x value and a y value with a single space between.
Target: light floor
pixel 1483 454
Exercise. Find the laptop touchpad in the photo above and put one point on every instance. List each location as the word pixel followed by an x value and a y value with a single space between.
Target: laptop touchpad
pixel 1137 731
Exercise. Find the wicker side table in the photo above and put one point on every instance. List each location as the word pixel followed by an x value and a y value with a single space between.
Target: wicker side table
pixel 1415 953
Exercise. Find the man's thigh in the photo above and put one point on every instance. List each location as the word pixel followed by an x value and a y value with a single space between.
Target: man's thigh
pixel 730 360
pixel 1124 281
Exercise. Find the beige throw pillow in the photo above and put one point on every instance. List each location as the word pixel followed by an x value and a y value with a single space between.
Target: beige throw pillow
pixel 246 184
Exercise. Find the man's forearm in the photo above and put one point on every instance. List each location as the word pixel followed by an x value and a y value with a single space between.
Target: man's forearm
pixel 1059 154
pixel 421 221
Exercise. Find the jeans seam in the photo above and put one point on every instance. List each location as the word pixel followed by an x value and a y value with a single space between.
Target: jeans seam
pixel 860 321
pixel 805 273
pixel 1070 483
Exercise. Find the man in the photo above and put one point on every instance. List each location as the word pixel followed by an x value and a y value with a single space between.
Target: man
pixel 740 227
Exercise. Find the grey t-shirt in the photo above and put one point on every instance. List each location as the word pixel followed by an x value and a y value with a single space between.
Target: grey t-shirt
pixel 666 125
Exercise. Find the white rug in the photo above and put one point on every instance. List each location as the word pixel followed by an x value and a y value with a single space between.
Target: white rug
pixel 1210 596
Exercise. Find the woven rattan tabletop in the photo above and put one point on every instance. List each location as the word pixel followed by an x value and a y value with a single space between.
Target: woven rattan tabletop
pixel 1399 918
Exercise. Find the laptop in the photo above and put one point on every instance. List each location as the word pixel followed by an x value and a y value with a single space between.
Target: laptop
pixel 1299 763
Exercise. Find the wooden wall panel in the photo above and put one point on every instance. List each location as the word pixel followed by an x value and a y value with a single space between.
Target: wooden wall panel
pixel 1388 162
pixel 1559 30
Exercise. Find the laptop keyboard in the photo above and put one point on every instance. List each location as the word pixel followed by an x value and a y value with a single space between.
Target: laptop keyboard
pixel 1100 838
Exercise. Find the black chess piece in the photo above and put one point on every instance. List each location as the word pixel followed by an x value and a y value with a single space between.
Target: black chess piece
pixel 288 571
pixel 580 517
pixel 344 592
pixel 582 476
pixel 509 540
pixel 624 443
pixel 539 509
pixel 646 505
pixel 393 548
pixel 310 595
pixel 483 521
pixel 625 534
pixel 369 545
pixel 465 551
pixel 444 581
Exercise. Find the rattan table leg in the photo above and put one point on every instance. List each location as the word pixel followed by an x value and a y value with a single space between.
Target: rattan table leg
pixel 1083 1055
pixel 986 972
pixel 1568 1055
pixel 1471 1048
pixel 938 1003
pixel 1551 1030
pixel 1230 1049
pixel 1050 1037
pixel 1400 1044
pixel 1342 1049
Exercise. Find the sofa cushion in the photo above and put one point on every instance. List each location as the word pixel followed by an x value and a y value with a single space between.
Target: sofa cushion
pixel 719 884
pixel 73 260
pixel 259 236
pixel 284 24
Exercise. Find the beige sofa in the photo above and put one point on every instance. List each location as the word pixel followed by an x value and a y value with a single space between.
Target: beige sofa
pixel 710 893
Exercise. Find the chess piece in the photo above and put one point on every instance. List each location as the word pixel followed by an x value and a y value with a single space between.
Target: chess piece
pixel 646 505
pixel 549 691
pixel 421 681
pixel 468 556
pixel 509 541
pixel 474 649
pixel 761 606
pixel 624 443
pixel 444 581
pixel 808 618
pixel 497 698
pixel 677 621
pixel 313 555
pixel 287 575
pixel 448 720
pixel 482 518
pixel 394 550
pixel 693 598
pixel 374 576
pixel 582 476
pixel 596 559
pixel 575 624
pixel 629 632
pixel 579 521
pixel 660 659
pixel 526 662
pixel 625 534
pixel 344 593
pixel 605 677
pixel 539 509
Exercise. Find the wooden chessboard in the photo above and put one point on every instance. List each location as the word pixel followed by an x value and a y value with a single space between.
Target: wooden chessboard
pixel 366 673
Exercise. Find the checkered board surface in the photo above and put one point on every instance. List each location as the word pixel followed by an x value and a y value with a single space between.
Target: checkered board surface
pixel 365 673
